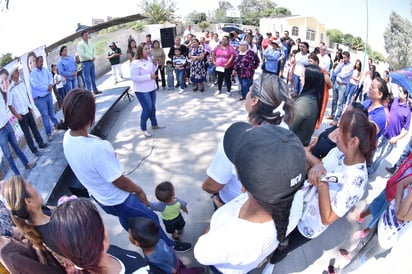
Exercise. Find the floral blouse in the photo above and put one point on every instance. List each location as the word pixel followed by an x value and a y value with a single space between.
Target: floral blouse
pixel 246 64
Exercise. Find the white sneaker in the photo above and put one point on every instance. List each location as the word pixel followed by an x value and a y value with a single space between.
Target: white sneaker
pixel 217 92
pixel 228 93
pixel 147 133
pixel 181 90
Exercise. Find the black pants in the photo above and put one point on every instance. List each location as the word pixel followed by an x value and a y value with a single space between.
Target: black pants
pixel 162 75
pixel 26 123
pixel 226 75
pixel 296 239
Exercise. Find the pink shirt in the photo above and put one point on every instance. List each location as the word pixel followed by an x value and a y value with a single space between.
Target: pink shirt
pixel 140 73
pixel 223 55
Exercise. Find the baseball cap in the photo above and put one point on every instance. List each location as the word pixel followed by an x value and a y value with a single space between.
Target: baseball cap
pixel 273 41
pixel 270 160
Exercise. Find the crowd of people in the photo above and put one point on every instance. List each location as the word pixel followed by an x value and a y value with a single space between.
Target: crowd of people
pixel 275 186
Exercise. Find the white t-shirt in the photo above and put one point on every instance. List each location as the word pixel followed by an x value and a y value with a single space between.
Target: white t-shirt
pixel 235 245
pixel 344 194
pixel 389 229
pixel 94 163
pixel 301 61
pixel 223 171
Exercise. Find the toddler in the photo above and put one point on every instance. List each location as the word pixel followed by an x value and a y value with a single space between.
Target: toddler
pixel 211 73
pixel 144 233
pixel 170 75
pixel 170 207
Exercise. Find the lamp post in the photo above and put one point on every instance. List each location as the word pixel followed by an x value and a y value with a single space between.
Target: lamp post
pixel 366 38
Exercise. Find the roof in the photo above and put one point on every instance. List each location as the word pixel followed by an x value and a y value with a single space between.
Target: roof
pixel 96 28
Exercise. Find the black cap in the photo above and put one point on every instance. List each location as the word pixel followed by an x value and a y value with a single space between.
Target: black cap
pixel 270 160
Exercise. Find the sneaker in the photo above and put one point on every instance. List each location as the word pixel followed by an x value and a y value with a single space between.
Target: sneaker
pixel 37 153
pixel 50 138
pixel 29 165
pixel 182 246
pixel 158 127
pixel 177 85
pixel 181 90
pixel 358 217
pixel 43 145
pixel 97 92
pixel 147 133
pixel 391 170
pixel 359 234
pixel 228 94
pixel 217 92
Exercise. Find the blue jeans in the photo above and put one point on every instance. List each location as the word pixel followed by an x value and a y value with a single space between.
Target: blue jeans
pixel 89 75
pixel 7 136
pixel 337 100
pixel 383 149
pixel 132 208
pixel 350 91
pixel 377 208
pixel 297 84
pixel 70 84
pixel 245 84
pixel 45 106
pixel 80 79
pixel 405 154
pixel 148 102
pixel 180 75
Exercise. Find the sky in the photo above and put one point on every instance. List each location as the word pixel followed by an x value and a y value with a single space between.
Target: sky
pixel 29 24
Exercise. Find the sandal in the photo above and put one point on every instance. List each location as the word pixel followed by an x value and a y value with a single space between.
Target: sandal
pixel 345 254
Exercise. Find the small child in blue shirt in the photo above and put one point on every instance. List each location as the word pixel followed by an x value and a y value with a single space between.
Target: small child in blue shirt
pixel 170 77
pixel 170 207
pixel 211 71
pixel 144 233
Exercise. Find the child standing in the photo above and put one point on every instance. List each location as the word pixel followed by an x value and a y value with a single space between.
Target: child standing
pixel 170 75
pixel 144 233
pixel 211 73
pixel 170 207
pixel 179 62
pixel 59 81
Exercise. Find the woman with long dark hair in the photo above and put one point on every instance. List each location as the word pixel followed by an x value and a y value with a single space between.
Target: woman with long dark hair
pixel 308 103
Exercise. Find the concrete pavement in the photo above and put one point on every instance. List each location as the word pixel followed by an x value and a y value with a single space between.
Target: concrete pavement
pixel 181 153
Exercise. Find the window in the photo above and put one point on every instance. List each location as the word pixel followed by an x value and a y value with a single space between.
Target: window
pixel 295 31
pixel 310 35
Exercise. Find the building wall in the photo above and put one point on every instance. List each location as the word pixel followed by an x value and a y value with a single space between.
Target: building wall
pixel 304 24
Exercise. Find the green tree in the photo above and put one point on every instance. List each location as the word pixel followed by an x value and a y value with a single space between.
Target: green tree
pixel 252 10
pixel 6 58
pixel 357 44
pixel 195 17
pixel 398 41
pixel 335 35
pixel 377 57
pixel 204 25
pixel 159 11
pixel 347 39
